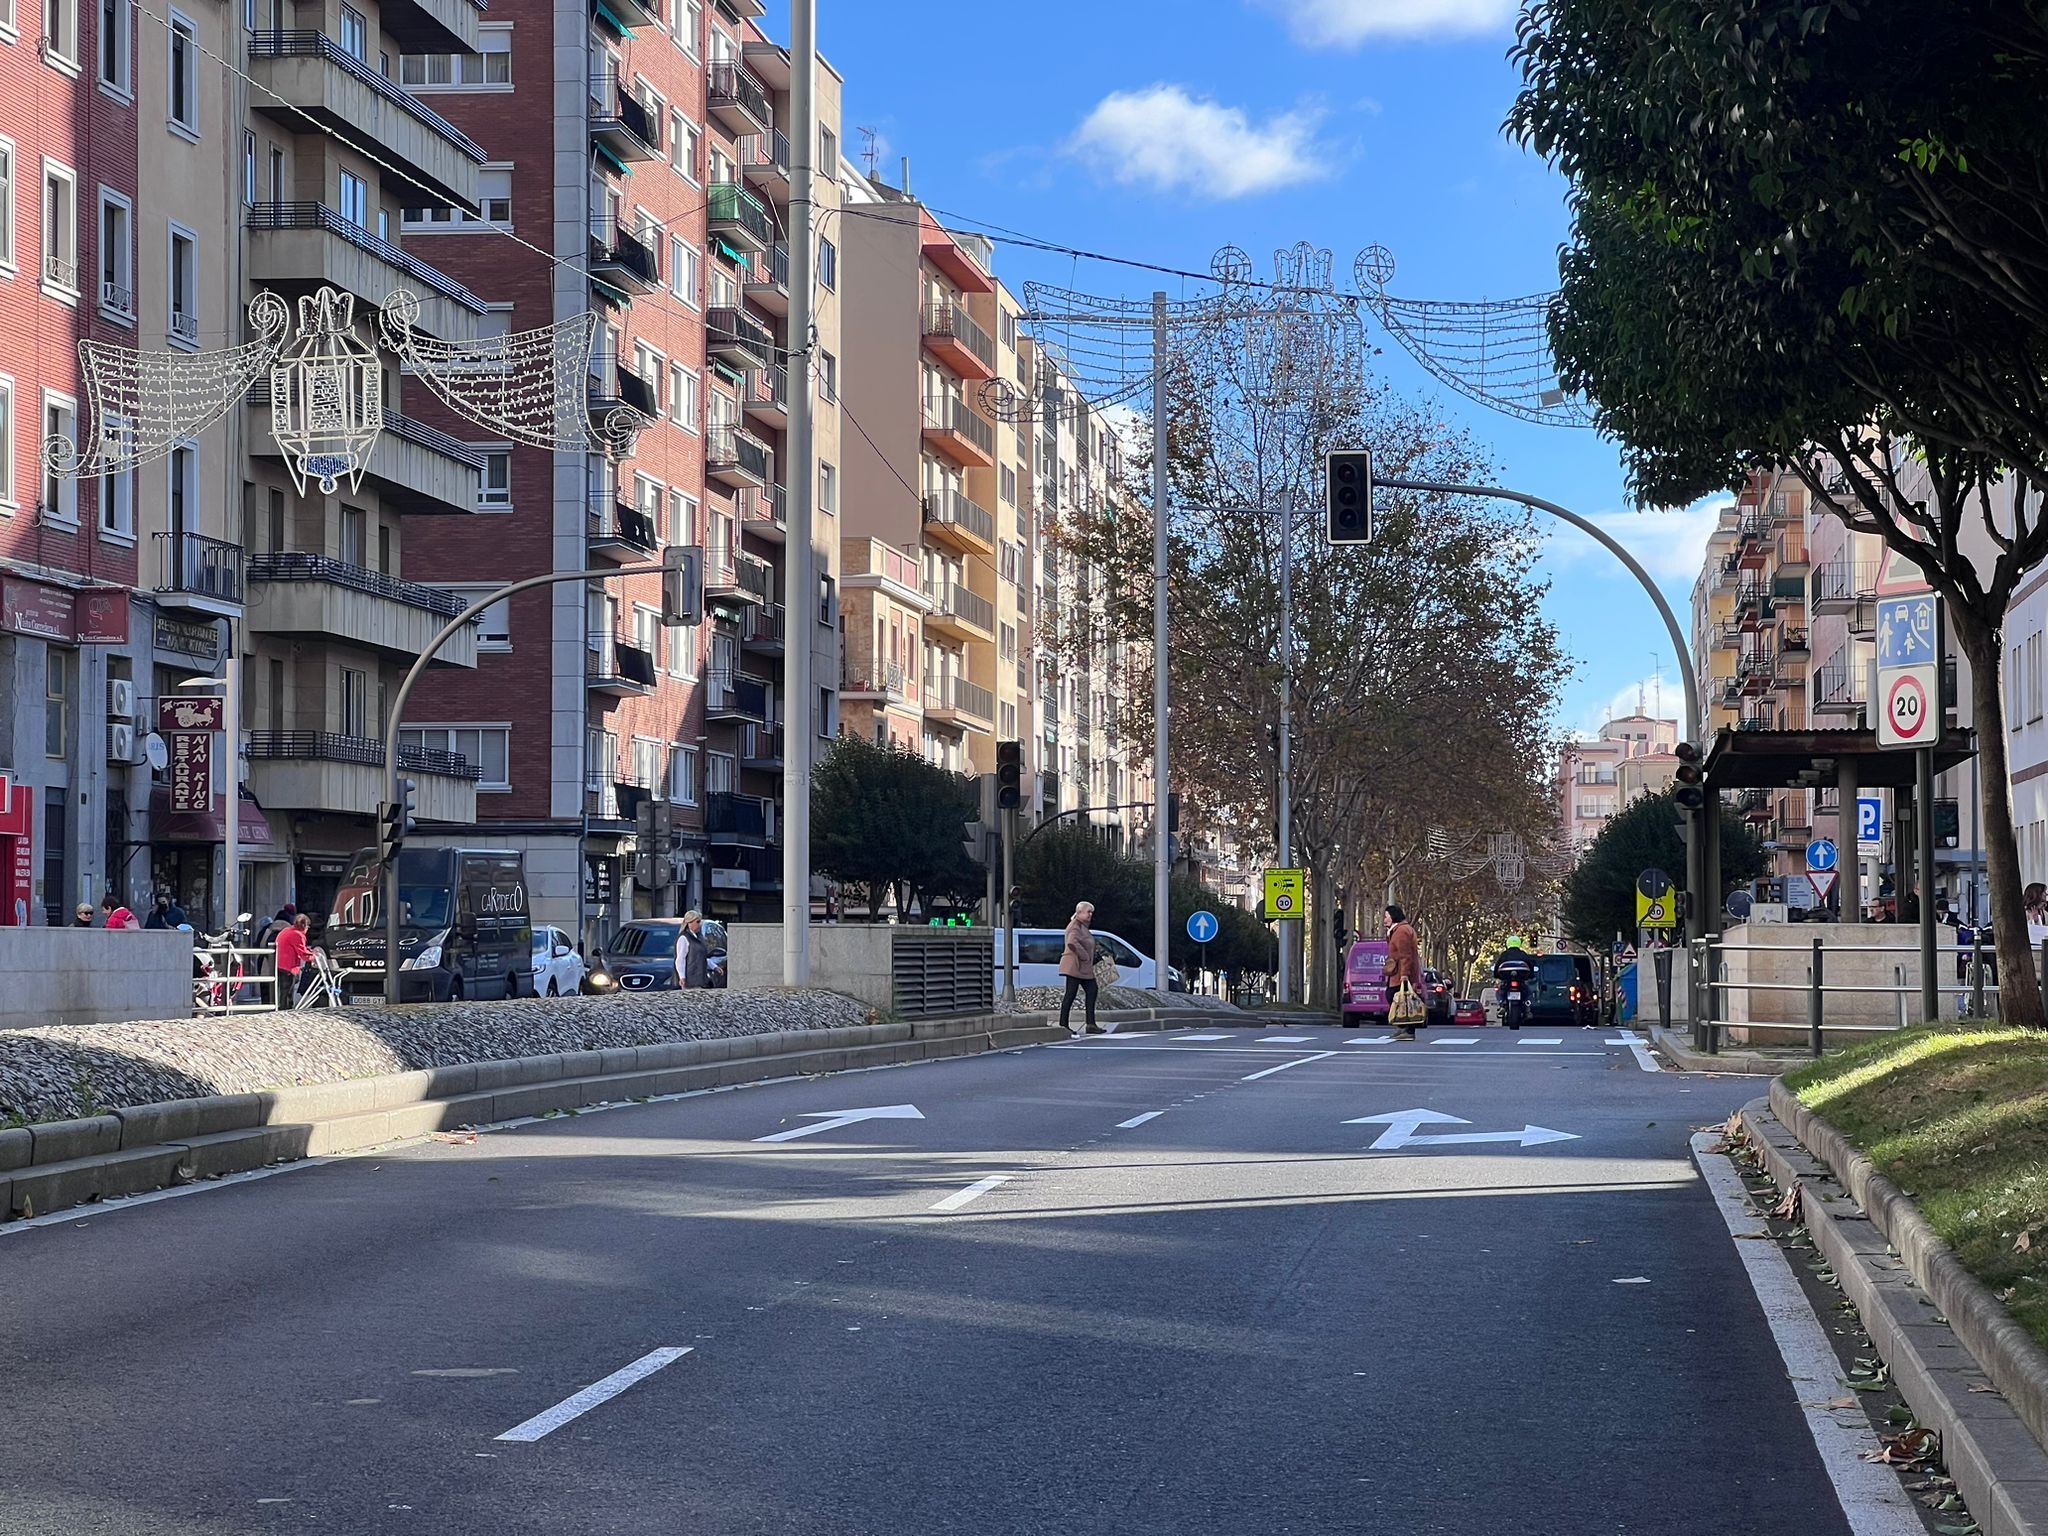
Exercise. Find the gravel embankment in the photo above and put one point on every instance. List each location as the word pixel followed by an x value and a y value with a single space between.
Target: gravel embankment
pixel 61 1071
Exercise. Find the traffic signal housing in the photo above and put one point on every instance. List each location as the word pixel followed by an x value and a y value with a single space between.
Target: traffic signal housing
pixel 1347 488
pixel 1009 775
pixel 1689 781
pixel 395 821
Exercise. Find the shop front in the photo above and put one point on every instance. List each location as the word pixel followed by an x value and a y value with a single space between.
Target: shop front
pixel 188 850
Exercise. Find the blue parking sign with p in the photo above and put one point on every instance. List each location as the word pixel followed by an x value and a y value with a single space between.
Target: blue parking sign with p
pixel 1869 819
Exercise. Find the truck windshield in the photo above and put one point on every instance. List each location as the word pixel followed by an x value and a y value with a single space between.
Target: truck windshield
pixel 422 903
pixel 1557 968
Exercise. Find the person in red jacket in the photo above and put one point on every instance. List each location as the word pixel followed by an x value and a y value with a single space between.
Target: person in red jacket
pixel 292 948
pixel 1404 963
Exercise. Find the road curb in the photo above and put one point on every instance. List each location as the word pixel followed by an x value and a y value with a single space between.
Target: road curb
pixel 65 1163
pixel 1968 1370
pixel 1679 1051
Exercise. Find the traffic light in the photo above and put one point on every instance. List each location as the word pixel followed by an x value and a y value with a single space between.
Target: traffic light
pixel 1690 791
pixel 395 821
pixel 1342 931
pixel 1347 483
pixel 979 830
pixel 1009 775
pixel 682 586
pixel 1173 811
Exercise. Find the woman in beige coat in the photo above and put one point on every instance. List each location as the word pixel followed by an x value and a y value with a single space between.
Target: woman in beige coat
pixel 1077 964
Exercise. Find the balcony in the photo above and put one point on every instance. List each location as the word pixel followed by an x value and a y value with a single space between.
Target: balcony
pixel 615 665
pixel 761 748
pixel 952 519
pixel 416 469
pixel 1792 640
pixel 733 336
pixel 761 630
pixel 957 702
pixel 958 613
pixel 766 396
pixel 953 337
pixel 198 574
pixel 963 258
pixel 614 385
pixel 1727 636
pixel 620 532
pixel 956 430
pixel 1749 596
pixel 1755 805
pixel 734 456
pixel 618 122
pixel 733 577
pixel 621 257
pixel 764 162
pixel 302 246
pixel 762 514
pixel 325 771
pixel 308 75
pixel 732 820
pixel 1838 585
pixel 434 26
pixel 1837 690
pixel 731 697
pixel 313 597
pixel 885 681
pixel 1860 618
pixel 1792 556
pixel 768 280
pixel 736 99
pixel 738 218
pixel 1758 670
pixel 1787 590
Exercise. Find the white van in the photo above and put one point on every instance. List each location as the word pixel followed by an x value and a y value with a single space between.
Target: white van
pixel 1039 951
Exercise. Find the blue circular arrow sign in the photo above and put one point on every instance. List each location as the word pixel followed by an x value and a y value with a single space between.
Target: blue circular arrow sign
pixel 1202 926
pixel 1820 855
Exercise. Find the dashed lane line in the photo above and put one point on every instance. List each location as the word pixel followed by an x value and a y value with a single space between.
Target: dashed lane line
pixel 1299 1061
pixel 972 1192
pixel 1137 1120
pixel 543 1424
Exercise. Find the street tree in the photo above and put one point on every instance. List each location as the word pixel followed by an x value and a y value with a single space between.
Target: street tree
pixel 1810 236
pixel 891 825
pixel 1600 892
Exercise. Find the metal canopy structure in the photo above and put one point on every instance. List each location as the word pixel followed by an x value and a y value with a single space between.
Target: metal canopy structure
pixel 1791 759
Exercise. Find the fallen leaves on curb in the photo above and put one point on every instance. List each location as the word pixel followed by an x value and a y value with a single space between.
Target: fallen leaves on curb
pixel 461 1138
pixel 1787 1209
pixel 1907 1448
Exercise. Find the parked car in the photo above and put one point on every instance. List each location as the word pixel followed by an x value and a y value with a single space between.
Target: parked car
pixel 1468 1010
pixel 640 956
pixel 1039 951
pixel 1436 998
pixel 557 968
pixel 1365 983
pixel 1564 992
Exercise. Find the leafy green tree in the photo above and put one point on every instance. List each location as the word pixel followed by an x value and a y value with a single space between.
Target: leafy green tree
pixel 1068 863
pixel 1600 891
pixel 891 825
pixel 1814 236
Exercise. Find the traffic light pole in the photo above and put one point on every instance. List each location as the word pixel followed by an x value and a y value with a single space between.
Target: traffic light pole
pixel 1289 931
pixel 393 791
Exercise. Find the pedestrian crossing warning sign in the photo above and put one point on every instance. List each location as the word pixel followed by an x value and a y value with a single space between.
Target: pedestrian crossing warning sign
pixel 1284 893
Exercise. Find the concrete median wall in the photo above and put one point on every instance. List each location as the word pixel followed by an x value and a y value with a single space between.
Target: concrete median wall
pixel 93 976
pixel 1852 955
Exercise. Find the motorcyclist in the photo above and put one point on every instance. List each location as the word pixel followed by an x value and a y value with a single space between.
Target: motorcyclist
pixel 1514 965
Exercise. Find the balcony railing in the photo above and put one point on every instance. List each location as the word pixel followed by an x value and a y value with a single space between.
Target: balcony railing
pixel 1841 582
pixel 959 603
pixel 288 565
pixel 764 510
pixel 613 245
pixel 728 570
pixel 884 677
pixel 731 694
pixel 309 45
pixel 612 103
pixel 732 330
pixel 115 297
pixel 616 658
pixel 952 322
pixel 959 694
pixel 763 627
pixel 612 383
pixel 333 747
pixel 955 508
pixel 766 150
pixel 768 389
pixel 730 815
pixel 771 266
pixel 737 449
pixel 615 522
pixel 60 271
pixel 201 567
pixel 734 206
pixel 959 417
pixel 261 216
pixel 1835 686
pixel 761 745
pixel 734 87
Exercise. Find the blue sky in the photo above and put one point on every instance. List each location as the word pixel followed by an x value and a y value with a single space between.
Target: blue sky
pixel 1163 129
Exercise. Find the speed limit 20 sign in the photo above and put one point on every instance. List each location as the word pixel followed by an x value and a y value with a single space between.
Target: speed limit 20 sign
pixel 1907 702
pixel 1905 710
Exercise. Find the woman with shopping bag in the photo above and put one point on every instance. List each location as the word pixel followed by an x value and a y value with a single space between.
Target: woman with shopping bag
pixel 1405 1007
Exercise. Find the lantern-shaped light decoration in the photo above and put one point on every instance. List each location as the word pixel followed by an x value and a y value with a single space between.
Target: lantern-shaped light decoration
pixel 326 395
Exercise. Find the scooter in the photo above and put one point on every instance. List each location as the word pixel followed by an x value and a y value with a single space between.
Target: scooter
pixel 1514 1010
pixel 208 990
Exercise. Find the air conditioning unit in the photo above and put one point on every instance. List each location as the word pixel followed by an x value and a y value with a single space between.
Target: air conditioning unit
pixel 121 698
pixel 121 743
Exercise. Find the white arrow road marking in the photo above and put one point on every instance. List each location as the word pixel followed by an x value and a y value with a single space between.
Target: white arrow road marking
pixel 1283 1039
pixel 1455 1040
pixel 1375 1040
pixel 1401 1127
pixel 544 1424
pixel 1552 1040
pixel 832 1119
pixel 1137 1120
pixel 1634 1042
pixel 974 1191
pixel 1253 1077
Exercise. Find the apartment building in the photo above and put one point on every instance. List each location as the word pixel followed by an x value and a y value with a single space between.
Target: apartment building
pixel 1773 657
pixel 1716 636
pixel 1589 789
pixel 643 765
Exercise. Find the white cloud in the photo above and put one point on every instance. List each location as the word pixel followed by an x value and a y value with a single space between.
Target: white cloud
pixel 1670 545
pixel 1348 23
pixel 1659 695
pixel 1165 139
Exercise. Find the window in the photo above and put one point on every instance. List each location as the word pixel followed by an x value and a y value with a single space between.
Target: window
pixel 719 772
pixel 828 713
pixel 7 205
pixel 117 491
pixel 682 518
pixel 277 187
pixel 7 496
pixel 117 256
pixel 494 185
pixel 355 200
pixel 682 775
pixel 828 600
pixel 1006 323
pixel 116 41
pixel 60 230
pixel 489 747
pixel 184 81
pixel 646 770
pixel 60 34
pixel 184 260
pixel 461 71
pixel 354 35
pixel 828 489
pixel 689 26
pixel 60 492
pixel 685 147
pixel 57 702
pixel 647 363
pixel 828 153
pixel 828 376
pixel 685 397
pixel 182 478
pixel 355 702
pixel 828 264
pixel 494 624
pixel 496 488
pixel 1006 484
pixel 249 167
pixel 685 272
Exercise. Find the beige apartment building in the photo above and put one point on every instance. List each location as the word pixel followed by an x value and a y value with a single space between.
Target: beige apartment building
pixel 1589 773
pixel 1716 636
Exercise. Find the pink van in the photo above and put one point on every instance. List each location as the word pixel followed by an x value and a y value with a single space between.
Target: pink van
pixel 1365 983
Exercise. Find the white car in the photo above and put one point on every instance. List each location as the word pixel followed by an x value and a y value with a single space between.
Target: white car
pixel 557 968
pixel 1039 951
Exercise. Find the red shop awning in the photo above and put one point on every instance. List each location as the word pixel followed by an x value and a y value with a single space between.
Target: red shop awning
pixel 168 826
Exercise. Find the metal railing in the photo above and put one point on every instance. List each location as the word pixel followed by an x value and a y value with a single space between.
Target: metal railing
pixel 434 440
pixel 263 216
pixel 117 298
pixel 959 417
pixel 335 747
pixel 771 266
pixel 959 603
pixel 613 519
pixel 727 691
pixel 953 322
pixel 1835 684
pixel 615 657
pixel 763 625
pixel 730 570
pixel 733 84
pixel 1842 581
pixel 617 105
pixel 203 567
pixel 318 45
pixel 769 386
pixel 958 693
pixel 184 325
pixel 288 565
pixel 613 383
pixel 765 506
pixel 766 149
pixel 957 509
pixel 733 329
pixel 61 271
pixel 761 743
pixel 736 448
pixel 727 814
pixel 612 244
pixel 884 677
pixel 732 204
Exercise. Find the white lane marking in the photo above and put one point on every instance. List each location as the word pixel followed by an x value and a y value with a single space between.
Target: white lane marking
pixel 1201 1037
pixel 832 1119
pixel 1298 1061
pixel 1137 1120
pixel 598 1392
pixel 1550 1040
pixel 974 1191
pixel 1634 1042
pixel 1375 1040
pixel 1455 1040
pixel 1283 1039
pixel 1869 1493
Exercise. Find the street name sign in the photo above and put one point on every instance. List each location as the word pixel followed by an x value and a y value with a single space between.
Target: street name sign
pixel 1202 926
pixel 1908 699
pixel 1403 1125
pixel 1284 892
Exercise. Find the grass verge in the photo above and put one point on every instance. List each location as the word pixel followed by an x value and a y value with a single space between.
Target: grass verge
pixel 1958 1118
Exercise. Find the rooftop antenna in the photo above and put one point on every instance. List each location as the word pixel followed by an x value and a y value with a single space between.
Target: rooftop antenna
pixel 870 150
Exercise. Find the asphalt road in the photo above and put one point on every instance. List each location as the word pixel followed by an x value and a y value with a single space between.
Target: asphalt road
pixel 1234 1317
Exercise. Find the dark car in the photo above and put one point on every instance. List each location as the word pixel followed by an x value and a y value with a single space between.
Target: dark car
pixel 1436 999
pixel 1564 992
pixel 640 956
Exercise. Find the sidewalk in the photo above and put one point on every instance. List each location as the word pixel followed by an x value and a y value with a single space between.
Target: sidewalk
pixel 1676 1047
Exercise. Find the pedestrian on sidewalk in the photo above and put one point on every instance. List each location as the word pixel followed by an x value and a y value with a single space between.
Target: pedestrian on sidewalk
pixel 293 950
pixel 118 915
pixel 1077 965
pixel 82 918
pixel 693 956
pixel 1404 964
